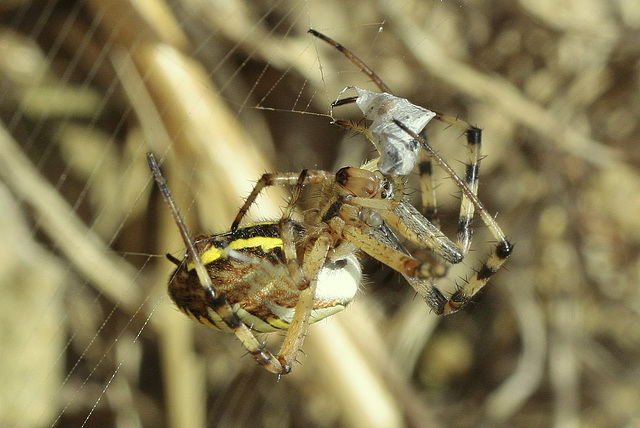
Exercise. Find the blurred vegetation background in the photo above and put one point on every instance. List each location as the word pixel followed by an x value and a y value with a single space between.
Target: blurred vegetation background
pixel 223 91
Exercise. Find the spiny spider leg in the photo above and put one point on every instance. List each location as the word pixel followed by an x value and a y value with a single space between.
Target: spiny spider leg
pixel 287 234
pixel 217 302
pixel 278 179
pixel 427 188
pixel 502 250
pixel 354 59
pixel 474 140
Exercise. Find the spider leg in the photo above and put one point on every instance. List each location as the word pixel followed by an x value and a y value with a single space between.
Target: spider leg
pixel 349 226
pixel 426 288
pixel 287 233
pixel 360 129
pixel 472 171
pixel 500 253
pixel 474 138
pixel 278 179
pixel 304 275
pixel 406 219
pixel 217 302
pixel 386 200
pixel 354 59
pixel 267 180
pixel 427 187
pixel 314 259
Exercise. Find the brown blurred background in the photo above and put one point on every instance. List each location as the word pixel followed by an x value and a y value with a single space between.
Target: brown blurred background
pixel 223 91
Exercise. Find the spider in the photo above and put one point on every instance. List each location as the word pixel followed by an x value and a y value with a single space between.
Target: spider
pixel 289 273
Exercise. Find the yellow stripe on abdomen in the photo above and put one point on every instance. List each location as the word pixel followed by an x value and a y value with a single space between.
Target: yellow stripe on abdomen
pixel 266 244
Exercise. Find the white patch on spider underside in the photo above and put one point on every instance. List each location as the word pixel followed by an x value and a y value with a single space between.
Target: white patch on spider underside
pixel 338 284
pixel 398 151
pixel 339 280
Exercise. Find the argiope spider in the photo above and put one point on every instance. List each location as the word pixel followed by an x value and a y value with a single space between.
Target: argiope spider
pixel 289 273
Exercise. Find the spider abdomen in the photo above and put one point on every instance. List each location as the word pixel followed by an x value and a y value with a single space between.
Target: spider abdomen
pixel 248 267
